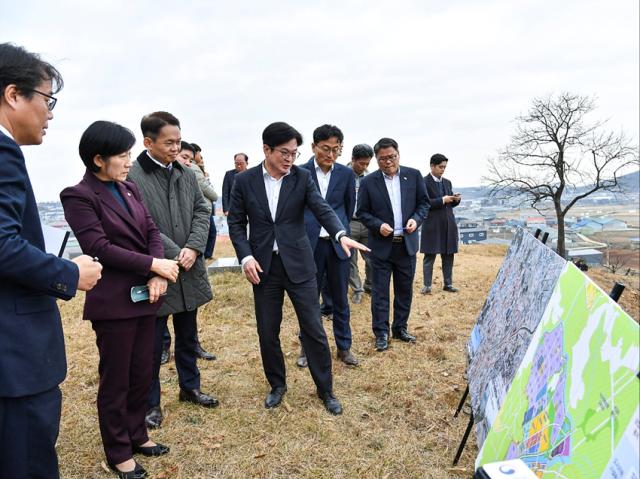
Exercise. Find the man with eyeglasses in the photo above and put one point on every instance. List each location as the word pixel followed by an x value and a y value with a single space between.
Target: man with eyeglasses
pixel 392 204
pixel 32 356
pixel 336 184
pixel 175 202
pixel 270 200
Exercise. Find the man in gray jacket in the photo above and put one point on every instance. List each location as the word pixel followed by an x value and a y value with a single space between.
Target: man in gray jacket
pixel 171 193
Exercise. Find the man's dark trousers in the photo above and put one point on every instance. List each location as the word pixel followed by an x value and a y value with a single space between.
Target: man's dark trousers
pixel 447 268
pixel 29 428
pixel 184 326
pixel 268 298
pixel 402 267
pixel 211 239
pixel 335 272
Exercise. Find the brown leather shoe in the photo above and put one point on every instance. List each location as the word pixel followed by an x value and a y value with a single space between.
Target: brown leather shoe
pixel 347 357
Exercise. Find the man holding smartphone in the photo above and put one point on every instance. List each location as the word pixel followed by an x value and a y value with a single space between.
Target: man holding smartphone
pixel 439 231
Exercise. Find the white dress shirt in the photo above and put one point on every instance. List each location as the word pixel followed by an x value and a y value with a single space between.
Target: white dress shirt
pixel 393 188
pixel 6 132
pixel 272 188
pixel 160 164
pixel 438 180
pixel 323 183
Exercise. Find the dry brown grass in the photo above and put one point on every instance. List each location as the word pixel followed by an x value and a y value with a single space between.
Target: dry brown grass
pixel 398 405
pixel 630 299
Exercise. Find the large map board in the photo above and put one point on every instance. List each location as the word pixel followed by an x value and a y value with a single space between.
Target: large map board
pixel 506 324
pixel 572 408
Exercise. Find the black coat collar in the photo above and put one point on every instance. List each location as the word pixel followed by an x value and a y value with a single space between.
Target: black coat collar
pixel 148 165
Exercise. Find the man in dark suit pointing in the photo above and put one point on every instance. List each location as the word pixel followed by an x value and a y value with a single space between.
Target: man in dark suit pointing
pixel 392 203
pixel 270 199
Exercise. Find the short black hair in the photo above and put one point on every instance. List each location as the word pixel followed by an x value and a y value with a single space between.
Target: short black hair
pixel 362 151
pixel 196 147
pixel 187 146
pixel 279 133
pixel 437 159
pixel 246 157
pixel 106 139
pixel 324 132
pixel 152 123
pixel 26 71
pixel 385 143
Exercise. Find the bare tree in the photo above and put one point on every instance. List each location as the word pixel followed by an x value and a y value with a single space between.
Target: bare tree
pixel 615 261
pixel 555 158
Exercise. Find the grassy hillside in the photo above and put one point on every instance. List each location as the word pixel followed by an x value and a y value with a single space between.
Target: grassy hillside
pixel 398 405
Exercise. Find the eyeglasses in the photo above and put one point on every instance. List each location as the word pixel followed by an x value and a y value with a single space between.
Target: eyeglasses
pixel 336 150
pixel 386 159
pixel 286 153
pixel 51 102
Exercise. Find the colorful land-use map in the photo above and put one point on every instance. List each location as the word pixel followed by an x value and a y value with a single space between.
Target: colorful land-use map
pixel 506 324
pixel 572 409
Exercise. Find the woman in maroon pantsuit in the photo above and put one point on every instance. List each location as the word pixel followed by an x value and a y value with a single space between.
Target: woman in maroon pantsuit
pixel 111 223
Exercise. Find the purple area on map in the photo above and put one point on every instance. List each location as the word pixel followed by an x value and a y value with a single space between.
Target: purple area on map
pixel 563 449
pixel 558 401
pixel 548 361
pixel 514 452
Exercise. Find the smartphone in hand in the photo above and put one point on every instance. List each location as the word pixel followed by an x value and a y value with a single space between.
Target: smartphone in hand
pixel 140 293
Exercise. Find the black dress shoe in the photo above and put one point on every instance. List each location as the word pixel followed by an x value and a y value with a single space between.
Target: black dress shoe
pixel 153 418
pixel 403 335
pixel 274 398
pixel 165 356
pixel 196 396
pixel 330 402
pixel 382 343
pixel 425 290
pixel 301 362
pixel 450 288
pixel 138 472
pixel 202 354
pixel 151 451
pixel 347 357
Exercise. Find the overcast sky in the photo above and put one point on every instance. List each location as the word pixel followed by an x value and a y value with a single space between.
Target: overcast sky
pixel 437 76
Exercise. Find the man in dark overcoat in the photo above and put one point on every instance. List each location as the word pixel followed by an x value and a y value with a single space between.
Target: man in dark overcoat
pixel 439 231
pixel 171 193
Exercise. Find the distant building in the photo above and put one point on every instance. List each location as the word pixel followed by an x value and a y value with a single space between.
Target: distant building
pixel 472 235
pixel 534 222
pixel 590 256
pixel 467 224
pixel 598 225
pixel 515 223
